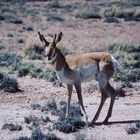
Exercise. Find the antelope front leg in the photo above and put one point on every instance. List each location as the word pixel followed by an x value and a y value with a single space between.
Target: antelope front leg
pixel 69 87
pixel 79 94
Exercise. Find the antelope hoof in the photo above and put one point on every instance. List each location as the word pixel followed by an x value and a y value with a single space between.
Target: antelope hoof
pixel 105 121
pixel 90 124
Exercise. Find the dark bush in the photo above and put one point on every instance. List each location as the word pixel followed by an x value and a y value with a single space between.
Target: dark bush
pixel 51 105
pixel 111 20
pixel 23 138
pixel 73 121
pixel 12 127
pixel 34 52
pixel 9 84
pixel 56 18
pixel 38 135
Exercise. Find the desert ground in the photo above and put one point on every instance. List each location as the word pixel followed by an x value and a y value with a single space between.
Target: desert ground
pixel 87 25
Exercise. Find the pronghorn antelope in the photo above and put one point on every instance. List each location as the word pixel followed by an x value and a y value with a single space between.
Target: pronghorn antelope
pixel 77 68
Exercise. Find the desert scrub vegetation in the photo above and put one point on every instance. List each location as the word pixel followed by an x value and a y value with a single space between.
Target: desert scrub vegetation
pixel 133 129
pixel 10 60
pixel 80 136
pixel 128 57
pixel 8 84
pixel 88 12
pixel 126 10
pixel 37 134
pixel 73 122
pixel 34 51
pixel 16 65
pixel 36 72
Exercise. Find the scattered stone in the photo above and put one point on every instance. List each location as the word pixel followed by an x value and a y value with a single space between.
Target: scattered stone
pixel 12 127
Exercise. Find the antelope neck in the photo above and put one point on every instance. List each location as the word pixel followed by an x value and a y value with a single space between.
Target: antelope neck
pixel 59 61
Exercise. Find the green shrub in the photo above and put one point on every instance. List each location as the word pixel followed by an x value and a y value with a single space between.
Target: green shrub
pixel 36 72
pixel 128 57
pixel 53 17
pixel 30 69
pixel 35 51
pixel 121 48
pixel 88 13
pixel 8 59
pixel 50 75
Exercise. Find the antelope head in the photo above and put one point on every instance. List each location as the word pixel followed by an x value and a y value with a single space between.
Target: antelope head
pixel 50 47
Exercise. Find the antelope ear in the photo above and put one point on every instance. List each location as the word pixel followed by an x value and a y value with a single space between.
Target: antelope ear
pixel 42 38
pixel 54 39
pixel 59 37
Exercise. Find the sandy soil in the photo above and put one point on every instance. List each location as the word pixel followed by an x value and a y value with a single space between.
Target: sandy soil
pixel 79 35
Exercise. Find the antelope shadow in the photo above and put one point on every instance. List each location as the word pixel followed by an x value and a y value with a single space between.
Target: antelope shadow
pixel 117 122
